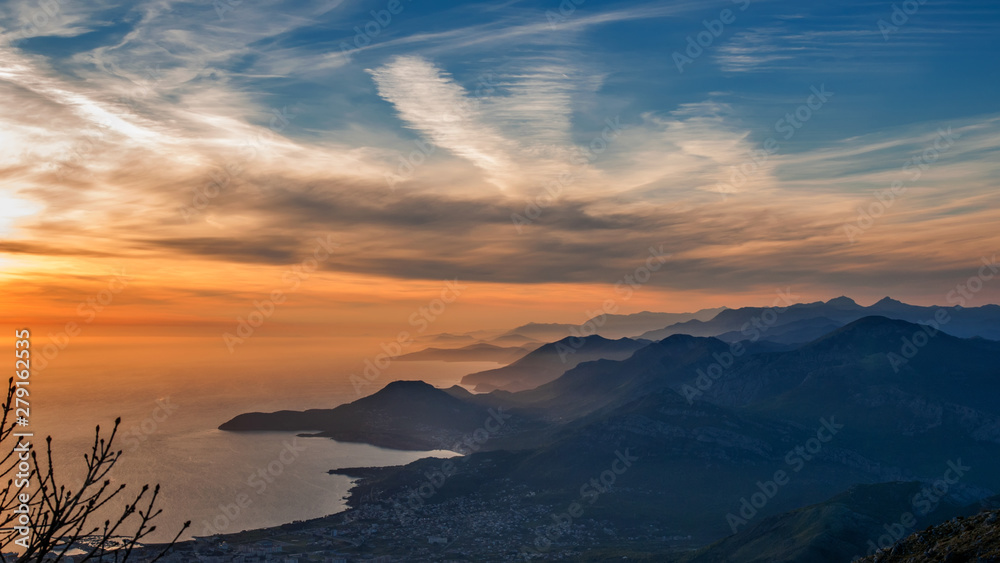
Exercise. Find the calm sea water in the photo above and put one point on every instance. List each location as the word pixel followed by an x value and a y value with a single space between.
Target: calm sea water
pixel 172 394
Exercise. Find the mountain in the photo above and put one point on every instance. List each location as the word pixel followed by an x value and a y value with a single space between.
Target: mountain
pixel 694 462
pixel 755 322
pixel 661 466
pixel 834 531
pixel 904 417
pixel 974 539
pixel 454 339
pixel 481 352
pixel 763 322
pixel 405 415
pixel 901 421
pixel 546 332
pixel 550 361
pixel 605 383
pixel 513 338
pixel 867 359
pixel 912 407
pixel 795 332
pixel 613 326
pixel 757 458
pixel 619 326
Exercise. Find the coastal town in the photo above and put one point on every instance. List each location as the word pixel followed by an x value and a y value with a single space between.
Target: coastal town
pixel 508 527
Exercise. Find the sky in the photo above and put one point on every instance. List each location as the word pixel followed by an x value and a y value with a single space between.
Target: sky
pixel 352 156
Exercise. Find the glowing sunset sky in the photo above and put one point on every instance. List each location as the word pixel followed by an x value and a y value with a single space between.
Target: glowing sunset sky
pixel 204 148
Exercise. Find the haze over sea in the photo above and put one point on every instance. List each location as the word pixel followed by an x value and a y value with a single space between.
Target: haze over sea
pixel 202 385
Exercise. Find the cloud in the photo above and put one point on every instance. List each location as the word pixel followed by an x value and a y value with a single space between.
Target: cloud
pixel 526 27
pixel 27 19
pixel 431 103
pixel 753 51
pixel 109 144
pixel 844 41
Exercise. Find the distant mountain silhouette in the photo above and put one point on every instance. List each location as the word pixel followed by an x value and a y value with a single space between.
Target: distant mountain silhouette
pixel 612 326
pixel 795 332
pixel 833 531
pixel 550 361
pixel 405 415
pixel 763 322
pixel 513 338
pixel 975 539
pixel 481 352
pixel 706 424
pixel 604 383
pixel 546 332
pixel 871 355
pixel 446 338
pixel 619 326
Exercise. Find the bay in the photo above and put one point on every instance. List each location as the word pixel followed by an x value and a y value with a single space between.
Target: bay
pixel 173 392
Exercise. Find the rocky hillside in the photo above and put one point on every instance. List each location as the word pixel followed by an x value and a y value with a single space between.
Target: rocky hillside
pixel 974 540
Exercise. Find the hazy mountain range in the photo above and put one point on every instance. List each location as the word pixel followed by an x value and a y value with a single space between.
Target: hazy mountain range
pixel 610 326
pixel 481 352
pixel 727 449
pixel 748 322
pixel 550 361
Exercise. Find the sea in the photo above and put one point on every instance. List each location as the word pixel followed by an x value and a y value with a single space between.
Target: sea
pixel 173 392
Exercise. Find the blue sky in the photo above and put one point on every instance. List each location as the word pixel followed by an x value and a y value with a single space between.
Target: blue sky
pixel 938 65
pixel 942 49
pixel 499 100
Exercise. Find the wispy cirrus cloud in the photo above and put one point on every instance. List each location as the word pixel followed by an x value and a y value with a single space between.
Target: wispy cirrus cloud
pixel 27 19
pixel 516 126
pixel 430 102
pixel 109 141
